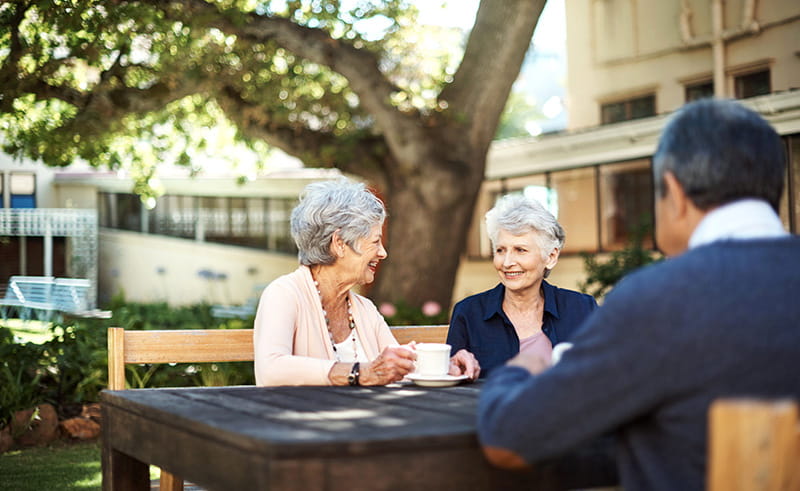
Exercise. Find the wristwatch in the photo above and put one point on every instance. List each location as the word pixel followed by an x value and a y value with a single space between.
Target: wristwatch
pixel 352 378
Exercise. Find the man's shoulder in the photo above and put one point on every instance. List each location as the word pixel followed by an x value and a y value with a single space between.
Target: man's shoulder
pixel 704 264
pixel 741 254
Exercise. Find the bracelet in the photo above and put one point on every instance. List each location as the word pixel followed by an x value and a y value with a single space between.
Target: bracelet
pixel 352 378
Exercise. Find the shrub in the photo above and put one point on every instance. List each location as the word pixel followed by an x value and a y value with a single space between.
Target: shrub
pixel 21 373
pixel 601 276
pixel 71 368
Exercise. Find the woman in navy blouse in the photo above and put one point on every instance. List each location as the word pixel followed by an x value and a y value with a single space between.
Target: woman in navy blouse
pixel 524 312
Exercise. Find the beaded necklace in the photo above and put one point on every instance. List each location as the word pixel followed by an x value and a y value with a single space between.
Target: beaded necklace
pixel 351 321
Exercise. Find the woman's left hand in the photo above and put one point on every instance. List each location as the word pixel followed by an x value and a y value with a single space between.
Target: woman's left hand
pixel 464 363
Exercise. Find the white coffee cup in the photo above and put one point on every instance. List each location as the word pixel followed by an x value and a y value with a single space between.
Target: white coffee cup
pixel 433 359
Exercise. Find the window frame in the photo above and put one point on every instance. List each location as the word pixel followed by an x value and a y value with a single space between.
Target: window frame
pixel 627 104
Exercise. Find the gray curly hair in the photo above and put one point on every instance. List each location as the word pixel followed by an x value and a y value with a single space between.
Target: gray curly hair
pixel 519 214
pixel 326 207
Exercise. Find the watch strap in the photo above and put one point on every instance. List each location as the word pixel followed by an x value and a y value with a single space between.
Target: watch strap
pixel 352 379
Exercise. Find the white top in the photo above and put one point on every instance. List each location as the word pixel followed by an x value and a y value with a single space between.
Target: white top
pixel 743 219
pixel 346 353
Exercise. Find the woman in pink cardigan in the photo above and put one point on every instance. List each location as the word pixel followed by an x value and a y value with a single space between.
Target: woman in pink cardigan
pixel 310 328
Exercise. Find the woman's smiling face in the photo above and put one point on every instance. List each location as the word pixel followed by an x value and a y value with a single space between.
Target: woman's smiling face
pixel 519 261
pixel 363 264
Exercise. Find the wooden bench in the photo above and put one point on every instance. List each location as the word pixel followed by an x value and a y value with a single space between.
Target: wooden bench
pixel 753 445
pixel 29 296
pixel 206 346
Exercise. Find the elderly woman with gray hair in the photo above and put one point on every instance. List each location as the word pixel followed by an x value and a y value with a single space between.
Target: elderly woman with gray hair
pixel 524 313
pixel 310 328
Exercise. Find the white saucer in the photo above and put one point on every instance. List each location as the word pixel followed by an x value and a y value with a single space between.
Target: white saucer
pixel 435 380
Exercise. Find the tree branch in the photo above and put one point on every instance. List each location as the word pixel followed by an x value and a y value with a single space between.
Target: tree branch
pixel 359 66
pixel 491 63
pixel 323 149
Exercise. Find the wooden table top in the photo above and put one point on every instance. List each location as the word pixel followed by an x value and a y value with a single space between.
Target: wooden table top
pixel 296 421
pixel 282 437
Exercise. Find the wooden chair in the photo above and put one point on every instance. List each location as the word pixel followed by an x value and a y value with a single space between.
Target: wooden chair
pixel 754 445
pixel 176 346
pixel 421 334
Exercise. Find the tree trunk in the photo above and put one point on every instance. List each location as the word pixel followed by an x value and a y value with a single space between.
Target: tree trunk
pixel 429 218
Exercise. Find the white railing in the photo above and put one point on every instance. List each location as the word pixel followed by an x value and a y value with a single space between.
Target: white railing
pixel 62 222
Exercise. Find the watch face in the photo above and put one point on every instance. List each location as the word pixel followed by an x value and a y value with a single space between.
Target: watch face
pixel 352 378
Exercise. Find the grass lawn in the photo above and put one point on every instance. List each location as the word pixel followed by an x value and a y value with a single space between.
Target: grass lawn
pixel 59 466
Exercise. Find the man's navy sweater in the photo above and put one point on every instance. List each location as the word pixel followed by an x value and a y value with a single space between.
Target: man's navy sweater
pixel 720 320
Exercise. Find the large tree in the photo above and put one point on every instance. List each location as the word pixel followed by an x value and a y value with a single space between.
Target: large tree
pixel 103 81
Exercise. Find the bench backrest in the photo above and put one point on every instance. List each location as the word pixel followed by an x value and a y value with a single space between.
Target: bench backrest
pixel 753 445
pixel 31 289
pixel 71 294
pixel 208 345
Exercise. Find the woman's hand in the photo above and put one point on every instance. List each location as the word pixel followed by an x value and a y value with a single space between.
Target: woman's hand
pixel 390 366
pixel 532 362
pixel 464 363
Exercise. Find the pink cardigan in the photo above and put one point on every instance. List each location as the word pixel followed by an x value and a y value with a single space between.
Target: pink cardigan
pixel 291 340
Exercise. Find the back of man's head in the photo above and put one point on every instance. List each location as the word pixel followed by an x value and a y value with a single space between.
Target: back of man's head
pixel 720 151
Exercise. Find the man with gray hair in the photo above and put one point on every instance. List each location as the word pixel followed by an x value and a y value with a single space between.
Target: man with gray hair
pixel 719 318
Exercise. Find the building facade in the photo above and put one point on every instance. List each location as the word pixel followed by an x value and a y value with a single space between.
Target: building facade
pixel 630 64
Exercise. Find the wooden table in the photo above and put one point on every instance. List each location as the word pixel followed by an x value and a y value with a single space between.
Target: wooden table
pixel 319 438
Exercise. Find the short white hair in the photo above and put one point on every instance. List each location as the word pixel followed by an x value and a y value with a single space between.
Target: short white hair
pixel 326 207
pixel 519 214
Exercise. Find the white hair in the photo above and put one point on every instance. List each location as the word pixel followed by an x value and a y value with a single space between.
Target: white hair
pixel 344 206
pixel 518 214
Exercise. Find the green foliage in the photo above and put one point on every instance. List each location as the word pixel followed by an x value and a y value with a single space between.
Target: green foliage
pixel 602 275
pixel 518 111
pixel 71 367
pixel 21 372
pixel 137 85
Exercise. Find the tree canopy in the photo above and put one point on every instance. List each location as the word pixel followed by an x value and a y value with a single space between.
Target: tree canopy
pixel 335 83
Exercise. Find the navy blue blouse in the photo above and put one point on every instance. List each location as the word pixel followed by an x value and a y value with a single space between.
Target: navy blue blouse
pixel 479 325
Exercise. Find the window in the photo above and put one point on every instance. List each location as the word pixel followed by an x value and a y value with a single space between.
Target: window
pixel 752 84
pixel 175 216
pixel 626 204
pixel 576 194
pixel 22 186
pixel 279 236
pixel 2 195
pixel 600 207
pixel 534 187
pixel 261 223
pixel 640 107
pixel 129 212
pixel 700 90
